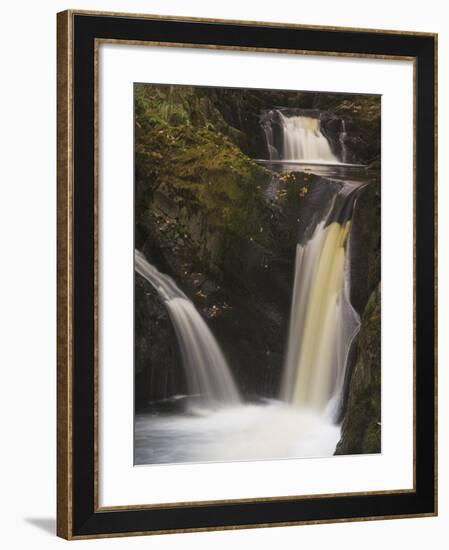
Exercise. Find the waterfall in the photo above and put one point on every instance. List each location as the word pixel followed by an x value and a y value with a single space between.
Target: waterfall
pixel 304 141
pixel 293 137
pixel 207 372
pixel 323 323
pixel 342 141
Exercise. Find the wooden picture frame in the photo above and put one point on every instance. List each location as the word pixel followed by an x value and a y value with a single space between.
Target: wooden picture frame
pixel 79 514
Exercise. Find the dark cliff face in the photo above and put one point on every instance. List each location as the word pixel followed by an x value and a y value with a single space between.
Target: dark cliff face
pixel 361 397
pixel 158 370
pixel 361 427
pixel 361 115
pixel 365 245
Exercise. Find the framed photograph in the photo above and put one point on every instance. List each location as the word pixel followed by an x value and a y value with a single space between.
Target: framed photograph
pixel 246 274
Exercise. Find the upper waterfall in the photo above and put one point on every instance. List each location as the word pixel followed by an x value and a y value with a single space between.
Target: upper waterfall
pixel 296 137
pixel 304 141
pixel 207 372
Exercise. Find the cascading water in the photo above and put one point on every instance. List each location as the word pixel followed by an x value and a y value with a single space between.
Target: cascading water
pixel 323 323
pixel 207 372
pixel 301 139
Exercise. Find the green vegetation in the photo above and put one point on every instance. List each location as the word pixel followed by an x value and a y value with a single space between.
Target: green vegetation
pixel 188 166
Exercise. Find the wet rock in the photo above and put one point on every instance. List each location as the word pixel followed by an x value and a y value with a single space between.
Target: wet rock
pixel 365 245
pixel 158 367
pixel 208 287
pixel 361 427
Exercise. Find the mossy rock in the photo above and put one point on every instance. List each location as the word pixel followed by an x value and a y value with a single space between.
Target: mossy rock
pixel 361 427
pixel 196 170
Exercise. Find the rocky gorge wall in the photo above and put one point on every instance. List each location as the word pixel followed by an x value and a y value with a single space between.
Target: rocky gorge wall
pixel 361 413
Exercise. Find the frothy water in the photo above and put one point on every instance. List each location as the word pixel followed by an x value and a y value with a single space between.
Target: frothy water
pixel 304 141
pixel 301 138
pixel 270 430
pixel 323 323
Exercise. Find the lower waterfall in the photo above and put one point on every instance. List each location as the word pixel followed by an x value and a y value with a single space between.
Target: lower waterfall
pixel 323 322
pixel 207 372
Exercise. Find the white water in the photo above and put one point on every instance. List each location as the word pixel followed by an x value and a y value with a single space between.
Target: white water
pixel 323 322
pixel 303 140
pixel 207 372
pixel 271 430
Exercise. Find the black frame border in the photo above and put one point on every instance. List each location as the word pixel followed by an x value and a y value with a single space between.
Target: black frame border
pixel 87 521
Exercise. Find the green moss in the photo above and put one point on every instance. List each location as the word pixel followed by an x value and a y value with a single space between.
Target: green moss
pixel 297 186
pixel 194 172
pixel 361 428
pixel 371 438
